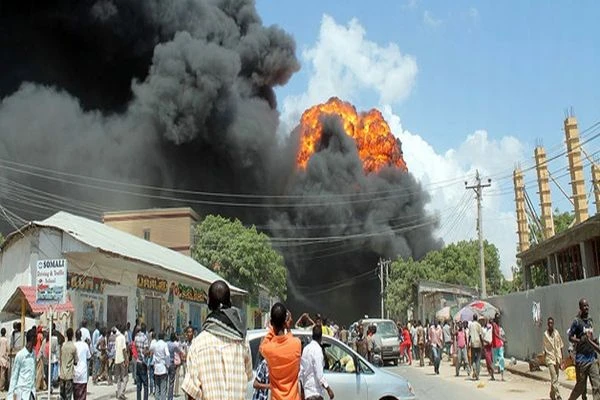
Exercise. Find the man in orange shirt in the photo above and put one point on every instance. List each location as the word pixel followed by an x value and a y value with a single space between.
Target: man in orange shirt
pixel 283 353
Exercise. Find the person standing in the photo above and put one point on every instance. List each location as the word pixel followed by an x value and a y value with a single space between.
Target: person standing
pixel 283 353
pixel 498 345
pixel 22 378
pixel 344 335
pixel 4 359
pixel 141 369
pixel 311 371
pixel 461 350
pixel 110 353
pixel 102 347
pixel 406 345
pixel 586 349
pixel 68 360
pixel 160 352
pixel 553 346
pixel 121 363
pixel 436 337
pixel 421 343
pixel 262 384
pixel 447 339
pixel 80 375
pixel 476 340
pixel 176 355
pixel 223 336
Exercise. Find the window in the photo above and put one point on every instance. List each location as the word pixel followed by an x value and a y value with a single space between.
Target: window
pixel 338 359
pixel 364 368
pixel 146 234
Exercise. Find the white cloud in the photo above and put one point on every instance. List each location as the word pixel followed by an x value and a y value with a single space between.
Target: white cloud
pixel 411 4
pixel 430 20
pixel 343 63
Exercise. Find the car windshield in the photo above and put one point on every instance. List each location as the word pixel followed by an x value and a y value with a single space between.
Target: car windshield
pixel 387 329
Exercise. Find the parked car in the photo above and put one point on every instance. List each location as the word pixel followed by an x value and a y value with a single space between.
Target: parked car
pixel 390 336
pixel 350 375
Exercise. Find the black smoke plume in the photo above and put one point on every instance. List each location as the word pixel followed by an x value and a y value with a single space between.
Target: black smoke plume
pixel 179 94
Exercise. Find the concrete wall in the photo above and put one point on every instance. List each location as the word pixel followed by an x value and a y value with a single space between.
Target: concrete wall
pixel 557 301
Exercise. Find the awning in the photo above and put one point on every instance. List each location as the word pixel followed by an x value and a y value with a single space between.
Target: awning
pixel 32 309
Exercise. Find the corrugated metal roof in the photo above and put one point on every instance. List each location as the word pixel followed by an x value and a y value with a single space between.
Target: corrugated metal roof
pixel 122 244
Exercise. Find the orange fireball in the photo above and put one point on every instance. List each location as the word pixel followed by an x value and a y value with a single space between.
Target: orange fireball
pixel 376 145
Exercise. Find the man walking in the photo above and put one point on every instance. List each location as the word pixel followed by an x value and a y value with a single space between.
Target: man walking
pixel 447 339
pixel 421 343
pixel 461 350
pixel 121 363
pixel 498 345
pixel 553 346
pixel 68 360
pixel 4 360
pixel 160 352
pixel 141 369
pixel 435 338
pixel 219 365
pixel 311 372
pixel 95 353
pixel 476 340
pixel 80 375
pixel 582 336
pixel 283 354
pixel 22 378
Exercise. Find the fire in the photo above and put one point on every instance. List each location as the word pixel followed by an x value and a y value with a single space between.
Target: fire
pixel 377 146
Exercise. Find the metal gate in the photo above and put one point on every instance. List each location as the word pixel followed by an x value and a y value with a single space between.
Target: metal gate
pixel 116 311
pixel 152 313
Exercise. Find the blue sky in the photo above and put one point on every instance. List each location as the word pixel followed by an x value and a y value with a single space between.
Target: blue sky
pixel 490 81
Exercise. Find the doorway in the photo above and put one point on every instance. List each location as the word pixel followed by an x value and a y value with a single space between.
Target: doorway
pixel 152 313
pixel 116 310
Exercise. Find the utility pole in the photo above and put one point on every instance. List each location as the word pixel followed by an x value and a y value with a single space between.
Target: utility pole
pixel 383 278
pixel 478 189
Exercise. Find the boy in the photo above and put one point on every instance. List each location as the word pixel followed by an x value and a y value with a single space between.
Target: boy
pixel 261 382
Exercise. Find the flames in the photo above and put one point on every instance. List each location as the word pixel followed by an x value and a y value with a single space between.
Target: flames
pixel 377 146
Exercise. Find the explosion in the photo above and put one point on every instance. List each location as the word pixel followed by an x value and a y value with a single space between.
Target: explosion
pixel 377 146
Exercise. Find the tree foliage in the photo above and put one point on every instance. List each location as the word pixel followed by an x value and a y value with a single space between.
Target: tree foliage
pixel 562 221
pixel 241 255
pixel 457 263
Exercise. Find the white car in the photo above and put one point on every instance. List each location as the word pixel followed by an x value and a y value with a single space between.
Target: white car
pixel 348 382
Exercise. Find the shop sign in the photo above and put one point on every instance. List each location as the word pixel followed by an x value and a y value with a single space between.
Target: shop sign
pixel 147 282
pixel 188 293
pixel 51 281
pixel 86 283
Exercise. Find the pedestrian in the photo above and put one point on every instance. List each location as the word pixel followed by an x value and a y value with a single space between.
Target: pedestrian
pixel 305 322
pixel 40 371
pixel 55 344
pixel 184 346
pixel 150 362
pixel 222 338
pixel 461 350
pixel 160 353
pixel 311 371
pixel 176 356
pixel 447 339
pixel 23 373
pixel 95 353
pixel 262 384
pixel 16 339
pixel 283 354
pixel 121 368
pixel 421 343
pixel 362 347
pixel 344 335
pixel 476 340
pixel 553 346
pixel 487 348
pixel 586 349
pixel 4 359
pixel 436 337
pixel 141 369
pixel 102 347
pixel 498 345
pixel 406 345
pixel 68 360
pixel 112 337
pixel 80 375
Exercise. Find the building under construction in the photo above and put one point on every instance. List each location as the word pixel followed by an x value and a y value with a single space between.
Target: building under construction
pixel 574 253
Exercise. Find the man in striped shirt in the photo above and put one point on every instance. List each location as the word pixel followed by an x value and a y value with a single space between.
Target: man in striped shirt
pixel 219 365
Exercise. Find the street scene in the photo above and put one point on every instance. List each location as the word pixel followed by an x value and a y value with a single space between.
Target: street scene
pixel 255 200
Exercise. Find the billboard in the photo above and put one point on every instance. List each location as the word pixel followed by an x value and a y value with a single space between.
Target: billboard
pixel 51 281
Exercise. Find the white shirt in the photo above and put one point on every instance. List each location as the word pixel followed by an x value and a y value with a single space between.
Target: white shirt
pixel 85 334
pixel 120 345
pixel 161 356
pixel 80 372
pixel 311 370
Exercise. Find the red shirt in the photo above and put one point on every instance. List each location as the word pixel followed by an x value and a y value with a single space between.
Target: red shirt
pixel 406 337
pixel 496 340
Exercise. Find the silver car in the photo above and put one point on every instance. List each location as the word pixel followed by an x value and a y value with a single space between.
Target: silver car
pixel 350 375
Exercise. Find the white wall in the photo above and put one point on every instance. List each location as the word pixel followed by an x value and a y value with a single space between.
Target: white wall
pixel 14 267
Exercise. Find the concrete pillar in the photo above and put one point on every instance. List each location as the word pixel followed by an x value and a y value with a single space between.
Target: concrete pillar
pixel 576 169
pixel 587 258
pixel 522 227
pixel 541 167
pixel 527 277
pixel 552 269
pixel 596 183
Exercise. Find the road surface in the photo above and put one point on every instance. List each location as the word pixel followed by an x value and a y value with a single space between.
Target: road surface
pixel 446 386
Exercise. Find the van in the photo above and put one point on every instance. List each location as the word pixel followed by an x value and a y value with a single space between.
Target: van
pixel 388 331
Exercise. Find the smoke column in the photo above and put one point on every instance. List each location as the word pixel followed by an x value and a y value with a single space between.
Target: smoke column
pixel 179 94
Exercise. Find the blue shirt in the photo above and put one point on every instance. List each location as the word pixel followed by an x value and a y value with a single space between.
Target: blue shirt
pixel 584 351
pixel 262 376
pixel 22 378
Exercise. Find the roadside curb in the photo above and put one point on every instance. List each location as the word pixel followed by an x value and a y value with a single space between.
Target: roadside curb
pixel 538 377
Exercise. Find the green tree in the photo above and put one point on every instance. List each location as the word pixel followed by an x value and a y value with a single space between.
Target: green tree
pixel 456 263
pixel 241 255
pixel 562 221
